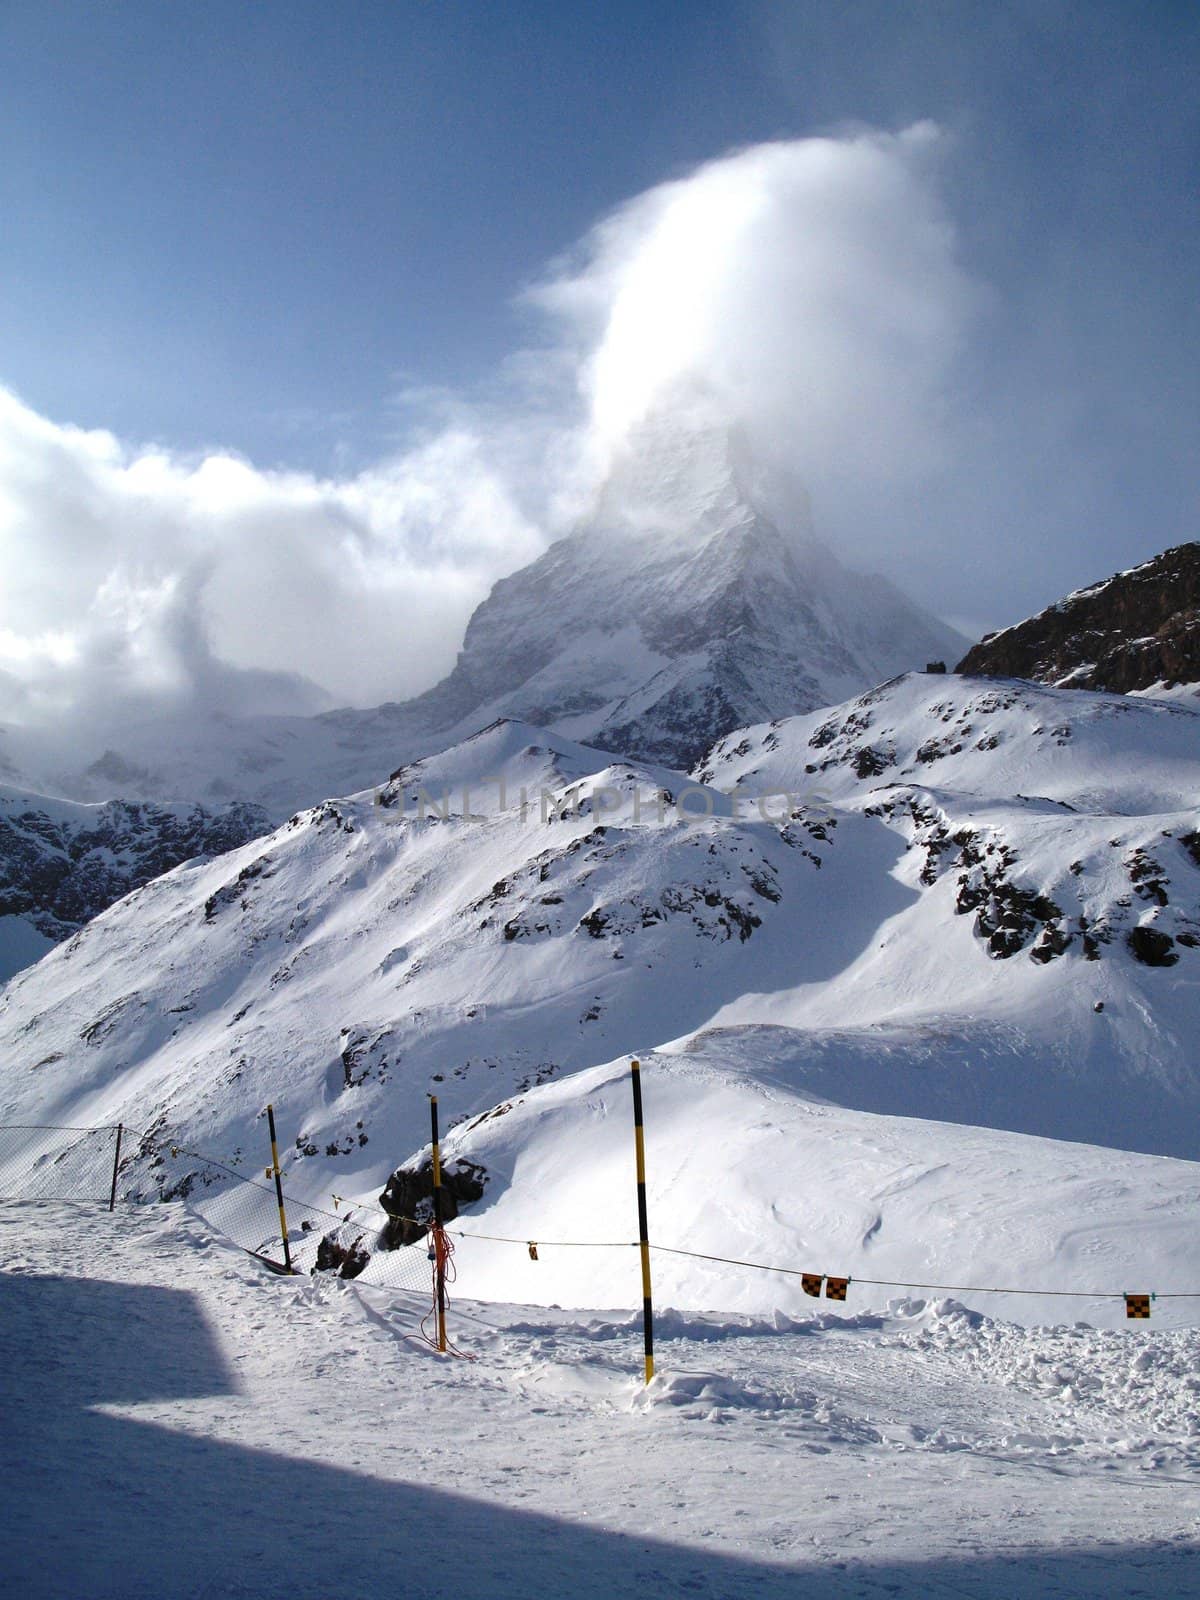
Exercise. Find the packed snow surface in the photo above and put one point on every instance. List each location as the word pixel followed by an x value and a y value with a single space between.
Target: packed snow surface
pixel 184 1424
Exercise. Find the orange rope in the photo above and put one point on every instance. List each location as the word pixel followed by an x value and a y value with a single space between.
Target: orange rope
pixel 441 1256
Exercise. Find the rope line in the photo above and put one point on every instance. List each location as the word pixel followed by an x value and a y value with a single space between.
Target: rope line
pixel 552 1244
pixel 948 1288
pixel 342 1218
pixel 798 1272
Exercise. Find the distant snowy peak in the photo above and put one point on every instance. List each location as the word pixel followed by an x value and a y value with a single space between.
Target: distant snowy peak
pixel 1136 632
pixel 676 611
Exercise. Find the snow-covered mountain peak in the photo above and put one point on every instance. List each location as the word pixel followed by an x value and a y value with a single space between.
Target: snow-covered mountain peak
pixel 679 608
pixel 684 476
pixel 512 764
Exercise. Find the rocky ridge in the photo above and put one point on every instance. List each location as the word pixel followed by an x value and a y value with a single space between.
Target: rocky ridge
pixel 1136 631
pixel 62 864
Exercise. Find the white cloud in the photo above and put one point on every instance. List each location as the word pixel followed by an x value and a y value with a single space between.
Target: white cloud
pixel 809 287
pixel 133 582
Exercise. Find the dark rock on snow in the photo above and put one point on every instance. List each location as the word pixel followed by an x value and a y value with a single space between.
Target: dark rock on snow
pixel 1132 631
pixel 408 1199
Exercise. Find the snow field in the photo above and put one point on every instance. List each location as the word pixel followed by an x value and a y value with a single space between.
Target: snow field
pixel 743 1163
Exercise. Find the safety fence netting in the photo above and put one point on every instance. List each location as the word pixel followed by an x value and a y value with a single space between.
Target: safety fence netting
pixel 128 1166
pixel 354 1241
pixel 54 1163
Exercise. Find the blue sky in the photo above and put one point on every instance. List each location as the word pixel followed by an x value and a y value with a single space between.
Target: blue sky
pixel 255 228
pixel 231 223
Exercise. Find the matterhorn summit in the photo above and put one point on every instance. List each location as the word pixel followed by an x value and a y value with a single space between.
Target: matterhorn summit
pixel 678 608
pixel 682 604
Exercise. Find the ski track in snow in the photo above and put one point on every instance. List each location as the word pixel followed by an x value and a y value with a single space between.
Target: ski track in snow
pixel 180 1423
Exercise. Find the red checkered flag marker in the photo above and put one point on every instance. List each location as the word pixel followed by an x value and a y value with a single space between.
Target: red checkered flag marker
pixel 810 1282
pixel 1137 1305
pixel 835 1288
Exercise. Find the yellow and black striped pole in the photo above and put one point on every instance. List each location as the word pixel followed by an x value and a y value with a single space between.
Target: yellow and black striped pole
pixel 287 1254
pixel 112 1193
pixel 643 1225
pixel 439 1256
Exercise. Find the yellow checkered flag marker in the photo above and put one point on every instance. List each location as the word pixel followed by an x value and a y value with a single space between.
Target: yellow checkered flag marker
pixel 1137 1305
pixel 533 1255
pixel 810 1282
pixel 835 1288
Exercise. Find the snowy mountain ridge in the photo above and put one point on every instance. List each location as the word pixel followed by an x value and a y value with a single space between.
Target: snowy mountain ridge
pixel 965 905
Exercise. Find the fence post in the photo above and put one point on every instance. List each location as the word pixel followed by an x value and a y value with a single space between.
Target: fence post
pixel 287 1253
pixel 112 1193
pixel 643 1226
pixel 439 1254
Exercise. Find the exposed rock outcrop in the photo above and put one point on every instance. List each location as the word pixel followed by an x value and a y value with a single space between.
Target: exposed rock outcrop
pixel 1135 630
pixel 408 1199
pixel 62 864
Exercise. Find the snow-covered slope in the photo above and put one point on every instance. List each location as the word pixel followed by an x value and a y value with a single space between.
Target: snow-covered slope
pixel 969 903
pixel 373 946
pixel 745 1162
pixel 997 739
pixel 1045 975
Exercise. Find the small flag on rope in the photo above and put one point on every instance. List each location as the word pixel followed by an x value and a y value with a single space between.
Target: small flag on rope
pixel 835 1288
pixel 1137 1305
pixel 533 1255
pixel 810 1282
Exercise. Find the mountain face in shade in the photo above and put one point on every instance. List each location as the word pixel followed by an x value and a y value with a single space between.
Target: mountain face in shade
pixel 1138 630
pixel 62 864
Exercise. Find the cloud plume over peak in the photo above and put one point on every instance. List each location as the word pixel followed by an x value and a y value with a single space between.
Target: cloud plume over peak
pixel 809 289
pixel 810 286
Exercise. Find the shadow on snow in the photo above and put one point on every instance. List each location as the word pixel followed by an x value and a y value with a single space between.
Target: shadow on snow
pixel 108 1508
